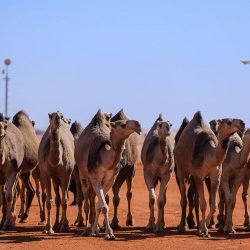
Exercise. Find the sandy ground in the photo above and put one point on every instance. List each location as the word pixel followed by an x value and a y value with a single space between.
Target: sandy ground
pixel 29 235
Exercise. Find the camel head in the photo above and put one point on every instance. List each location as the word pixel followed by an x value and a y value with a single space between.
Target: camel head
pixel 126 128
pixel 22 118
pixel 3 127
pixel 163 129
pixel 55 120
pixel 229 126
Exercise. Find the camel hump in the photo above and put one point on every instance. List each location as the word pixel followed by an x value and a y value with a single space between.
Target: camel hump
pixel 198 154
pixel 119 116
pixel 198 117
pixel 94 153
pixel 183 125
pixel 160 118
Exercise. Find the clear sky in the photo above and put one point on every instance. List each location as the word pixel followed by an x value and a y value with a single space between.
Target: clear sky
pixel 174 57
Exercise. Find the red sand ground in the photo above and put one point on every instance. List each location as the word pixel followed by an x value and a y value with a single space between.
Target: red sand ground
pixel 29 235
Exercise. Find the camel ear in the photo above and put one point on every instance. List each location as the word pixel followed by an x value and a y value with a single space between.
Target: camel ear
pixel 229 122
pixel 159 124
pixel 33 123
pixel 50 116
pixel 170 124
pixel 69 120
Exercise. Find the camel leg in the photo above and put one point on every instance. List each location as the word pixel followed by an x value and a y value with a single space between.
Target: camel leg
pixel 49 204
pixel 30 195
pixel 152 197
pixel 38 195
pixel 245 201
pixel 4 208
pixel 95 228
pixel 129 181
pixel 191 204
pixel 221 217
pixel 208 184
pixel 203 231
pixel 228 201
pixel 43 217
pixel 183 223
pixel 64 203
pixel 116 200
pixel 56 184
pixel 231 205
pixel 161 203
pixel 22 198
pixel 9 196
pixel 85 189
pixel 79 200
pixel 101 193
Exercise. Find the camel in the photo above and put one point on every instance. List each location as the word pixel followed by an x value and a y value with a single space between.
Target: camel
pixel 98 152
pixel 56 162
pixel 158 161
pixel 76 130
pixel 245 195
pixel 126 173
pixel 199 153
pixel 11 158
pixel 233 172
pixel 22 121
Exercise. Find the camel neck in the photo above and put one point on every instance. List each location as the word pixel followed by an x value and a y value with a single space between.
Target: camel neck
pixel 163 143
pixel 2 151
pixel 55 153
pixel 222 147
pixel 117 142
pixel 245 152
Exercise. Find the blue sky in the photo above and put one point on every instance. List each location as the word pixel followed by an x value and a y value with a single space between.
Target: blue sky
pixel 174 57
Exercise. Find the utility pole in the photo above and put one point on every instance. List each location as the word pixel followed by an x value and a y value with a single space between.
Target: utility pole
pixel 6 78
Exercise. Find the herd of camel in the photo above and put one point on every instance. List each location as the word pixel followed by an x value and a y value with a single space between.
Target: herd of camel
pixel 103 156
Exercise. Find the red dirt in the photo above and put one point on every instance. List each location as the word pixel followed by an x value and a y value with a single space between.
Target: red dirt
pixel 29 235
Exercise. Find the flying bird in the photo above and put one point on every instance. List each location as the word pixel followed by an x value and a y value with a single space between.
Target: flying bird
pixel 245 62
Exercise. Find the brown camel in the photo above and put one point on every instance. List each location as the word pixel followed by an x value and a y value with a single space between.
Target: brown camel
pixel 11 158
pixel 199 153
pixel 56 162
pixel 98 152
pixel 233 172
pixel 126 173
pixel 31 143
pixel 75 185
pixel 158 161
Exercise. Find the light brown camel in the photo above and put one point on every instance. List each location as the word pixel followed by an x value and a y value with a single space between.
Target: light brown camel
pixel 11 158
pixel 56 162
pixel 245 195
pixel 98 152
pixel 76 130
pixel 233 171
pixel 158 161
pixel 30 161
pixel 199 153
pixel 126 173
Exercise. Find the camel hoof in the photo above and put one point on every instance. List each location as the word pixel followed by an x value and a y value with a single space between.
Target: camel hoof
pixel 181 229
pixel 149 228
pixel 85 233
pixel 24 218
pixel 130 222
pixel 6 227
pixel 78 223
pixel 211 226
pixel 115 226
pixel 49 231
pixel 109 236
pixel 64 228
pixel 229 231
